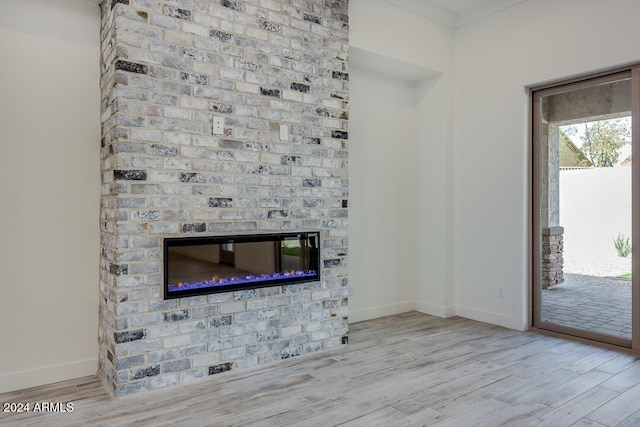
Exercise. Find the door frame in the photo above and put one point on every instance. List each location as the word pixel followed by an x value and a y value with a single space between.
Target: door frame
pixel 535 94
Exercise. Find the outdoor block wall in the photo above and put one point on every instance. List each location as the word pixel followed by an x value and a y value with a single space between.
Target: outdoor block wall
pixel 169 67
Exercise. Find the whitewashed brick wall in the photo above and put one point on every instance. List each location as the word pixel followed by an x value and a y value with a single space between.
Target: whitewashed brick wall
pixel 168 67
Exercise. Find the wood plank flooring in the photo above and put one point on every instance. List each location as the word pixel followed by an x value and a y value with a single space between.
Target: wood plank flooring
pixel 404 370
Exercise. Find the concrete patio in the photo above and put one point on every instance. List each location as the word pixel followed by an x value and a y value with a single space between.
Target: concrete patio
pixel 597 304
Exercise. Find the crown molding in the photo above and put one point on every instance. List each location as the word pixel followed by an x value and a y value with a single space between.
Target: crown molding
pixel 427 10
pixel 449 18
pixel 484 10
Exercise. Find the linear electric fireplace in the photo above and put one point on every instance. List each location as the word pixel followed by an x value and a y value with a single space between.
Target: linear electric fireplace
pixel 204 265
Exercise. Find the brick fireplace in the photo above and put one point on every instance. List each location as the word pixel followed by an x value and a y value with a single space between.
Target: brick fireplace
pixel 275 72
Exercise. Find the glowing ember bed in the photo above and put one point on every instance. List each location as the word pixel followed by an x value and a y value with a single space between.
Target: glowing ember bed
pixel 203 265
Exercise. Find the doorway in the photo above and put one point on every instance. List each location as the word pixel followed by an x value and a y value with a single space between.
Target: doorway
pixel 583 225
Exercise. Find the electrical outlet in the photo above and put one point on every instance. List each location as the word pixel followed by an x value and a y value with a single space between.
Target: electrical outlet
pixel 500 292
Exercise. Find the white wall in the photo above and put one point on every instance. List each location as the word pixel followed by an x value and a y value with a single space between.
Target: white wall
pixel 495 58
pixel 49 190
pixel 471 179
pixel 383 203
pixel 377 26
pixel 461 203
pixel 435 225
pixel 598 200
pixel 400 122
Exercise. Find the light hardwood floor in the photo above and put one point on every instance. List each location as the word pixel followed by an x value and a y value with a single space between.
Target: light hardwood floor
pixel 404 370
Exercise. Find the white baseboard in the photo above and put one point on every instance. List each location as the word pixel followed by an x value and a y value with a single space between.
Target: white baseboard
pixel 47 375
pixel 485 316
pixel 380 311
pixel 434 310
pixel 389 310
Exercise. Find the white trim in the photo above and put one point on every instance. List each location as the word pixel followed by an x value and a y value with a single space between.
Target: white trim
pixel 491 317
pixel 380 311
pixel 434 310
pixel 403 307
pixel 47 375
pixel 427 10
pixel 484 10
pixel 450 18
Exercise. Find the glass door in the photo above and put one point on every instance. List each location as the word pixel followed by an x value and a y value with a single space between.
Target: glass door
pixel 583 198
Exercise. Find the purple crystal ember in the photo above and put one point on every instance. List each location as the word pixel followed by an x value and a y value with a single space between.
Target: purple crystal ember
pixel 181 286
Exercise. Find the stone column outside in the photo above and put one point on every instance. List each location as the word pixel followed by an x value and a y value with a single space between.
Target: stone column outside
pixel 552 256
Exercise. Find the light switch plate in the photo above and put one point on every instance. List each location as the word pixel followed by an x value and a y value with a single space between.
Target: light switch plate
pixel 284 132
pixel 218 126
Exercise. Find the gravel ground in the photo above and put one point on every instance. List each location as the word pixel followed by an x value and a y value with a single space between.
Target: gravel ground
pixel 596 267
pixel 571 279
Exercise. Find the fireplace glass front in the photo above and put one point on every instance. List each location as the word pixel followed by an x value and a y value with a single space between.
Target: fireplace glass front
pixel 203 265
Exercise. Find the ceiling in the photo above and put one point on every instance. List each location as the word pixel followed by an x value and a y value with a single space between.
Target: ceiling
pixel 459 6
pixel 454 13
